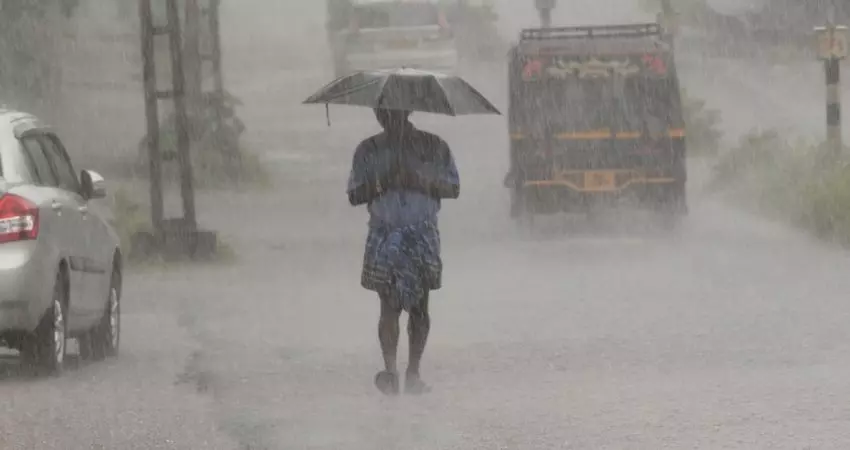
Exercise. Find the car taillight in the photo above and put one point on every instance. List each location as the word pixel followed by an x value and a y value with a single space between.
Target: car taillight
pixel 18 219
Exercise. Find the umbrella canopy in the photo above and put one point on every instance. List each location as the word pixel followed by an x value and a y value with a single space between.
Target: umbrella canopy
pixel 405 89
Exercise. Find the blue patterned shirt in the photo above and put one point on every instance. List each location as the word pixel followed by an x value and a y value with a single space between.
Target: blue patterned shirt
pixel 403 246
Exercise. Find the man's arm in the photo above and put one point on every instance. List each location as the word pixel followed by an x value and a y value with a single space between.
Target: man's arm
pixel 363 185
pixel 363 195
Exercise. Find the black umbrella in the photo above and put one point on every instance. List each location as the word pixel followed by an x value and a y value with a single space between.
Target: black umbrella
pixel 405 89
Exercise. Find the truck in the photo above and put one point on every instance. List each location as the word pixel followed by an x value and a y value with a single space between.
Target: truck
pixel 595 116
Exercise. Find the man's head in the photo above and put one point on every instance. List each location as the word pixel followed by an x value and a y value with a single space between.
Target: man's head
pixel 391 119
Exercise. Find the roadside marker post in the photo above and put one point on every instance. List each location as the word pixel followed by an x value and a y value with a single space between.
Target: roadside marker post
pixel 544 8
pixel 832 49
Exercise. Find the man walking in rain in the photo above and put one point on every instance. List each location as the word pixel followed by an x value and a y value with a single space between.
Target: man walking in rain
pixel 402 174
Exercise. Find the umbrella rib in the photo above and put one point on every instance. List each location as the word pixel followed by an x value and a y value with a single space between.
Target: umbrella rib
pixel 350 90
pixel 444 94
pixel 380 96
pixel 481 97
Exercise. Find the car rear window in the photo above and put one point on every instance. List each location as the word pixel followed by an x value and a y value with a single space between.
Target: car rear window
pixel 397 15
pixel 36 161
pixel 13 166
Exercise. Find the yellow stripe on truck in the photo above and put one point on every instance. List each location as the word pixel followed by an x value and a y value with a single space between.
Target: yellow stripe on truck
pixel 584 135
pixel 594 135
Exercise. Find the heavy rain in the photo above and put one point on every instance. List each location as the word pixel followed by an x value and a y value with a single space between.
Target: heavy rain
pixel 647 248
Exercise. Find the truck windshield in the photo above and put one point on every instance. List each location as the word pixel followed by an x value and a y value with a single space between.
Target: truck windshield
pixel 387 15
pixel 576 105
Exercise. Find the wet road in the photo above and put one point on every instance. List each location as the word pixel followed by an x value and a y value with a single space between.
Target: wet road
pixel 731 334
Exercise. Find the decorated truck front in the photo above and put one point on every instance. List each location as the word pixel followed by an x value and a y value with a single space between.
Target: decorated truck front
pixel 595 115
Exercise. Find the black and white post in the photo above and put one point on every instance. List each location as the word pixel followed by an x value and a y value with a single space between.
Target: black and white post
pixel 544 9
pixel 832 49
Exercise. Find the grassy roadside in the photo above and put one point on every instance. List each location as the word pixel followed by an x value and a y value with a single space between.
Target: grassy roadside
pixel 130 216
pixel 794 182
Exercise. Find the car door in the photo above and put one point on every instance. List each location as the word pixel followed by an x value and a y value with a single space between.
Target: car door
pixel 97 252
pixel 65 222
pixel 75 207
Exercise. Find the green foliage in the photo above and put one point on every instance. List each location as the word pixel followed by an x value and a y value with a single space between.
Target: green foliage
pixel 128 217
pixel 827 205
pixel 702 125
pixel 218 157
pixel 794 182
pixel 756 151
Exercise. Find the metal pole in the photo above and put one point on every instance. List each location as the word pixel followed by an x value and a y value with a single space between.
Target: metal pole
pixel 833 105
pixel 544 9
pixel 215 30
pixel 546 17
pixel 832 67
pixel 192 55
pixel 234 163
pixel 666 8
pixel 152 116
pixel 187 189
pixel 832 48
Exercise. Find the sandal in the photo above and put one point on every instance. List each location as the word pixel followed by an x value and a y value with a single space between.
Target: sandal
pixel 387 382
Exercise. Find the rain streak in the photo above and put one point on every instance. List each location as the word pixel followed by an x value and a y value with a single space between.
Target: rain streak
pixel 424 224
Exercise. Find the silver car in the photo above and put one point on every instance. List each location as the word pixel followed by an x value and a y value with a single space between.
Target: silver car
pixel 60 261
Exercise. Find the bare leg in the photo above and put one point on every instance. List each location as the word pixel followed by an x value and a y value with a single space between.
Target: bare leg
pixel 388 331
pixel 418 327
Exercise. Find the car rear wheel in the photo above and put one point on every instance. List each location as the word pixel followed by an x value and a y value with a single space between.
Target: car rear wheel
pixel 103 340
pixel 46 348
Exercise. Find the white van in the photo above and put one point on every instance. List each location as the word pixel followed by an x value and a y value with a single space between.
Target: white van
pixel 387 34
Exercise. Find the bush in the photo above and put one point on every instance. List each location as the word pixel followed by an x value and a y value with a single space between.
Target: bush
pixel 218 157
pixel 756 151
pixel 130 217
pixel 795 182
pixel 827 211
pixel 703 126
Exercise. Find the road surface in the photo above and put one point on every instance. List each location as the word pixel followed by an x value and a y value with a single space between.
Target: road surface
pixel 731 334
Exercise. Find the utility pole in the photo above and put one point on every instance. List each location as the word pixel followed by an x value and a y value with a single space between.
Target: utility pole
pixel 832 49
pixel 666 8
pixel 176 236
pixel 192 55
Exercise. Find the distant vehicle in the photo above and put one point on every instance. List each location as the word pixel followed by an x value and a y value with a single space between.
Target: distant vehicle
pixel 595 115
pixel 475 26
pixel 60 260
pixel 387 34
